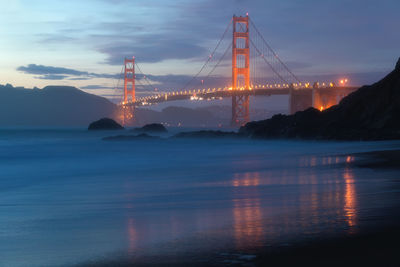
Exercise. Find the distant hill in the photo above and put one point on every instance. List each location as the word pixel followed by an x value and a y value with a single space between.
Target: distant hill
pixel 209 116
pixel 370 113
pixel 65 106
pixel 181 116
pixel 51 106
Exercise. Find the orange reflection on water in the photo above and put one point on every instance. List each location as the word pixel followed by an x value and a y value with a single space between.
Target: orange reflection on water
pixel 313 161
pixel 248 228
pixel 247 215
pixel 247 179
pixel 349 159
pixel 350 205
pixel 132 236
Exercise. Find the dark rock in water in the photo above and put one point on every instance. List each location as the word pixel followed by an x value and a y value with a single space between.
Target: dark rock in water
pixel 370 113
pixel 130 137
pixel 105 124
pixel 207 134
pixel 151 128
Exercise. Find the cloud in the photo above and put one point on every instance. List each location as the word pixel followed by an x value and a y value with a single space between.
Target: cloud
pixel 95 87
pixel 45 70
pixel 60 73
pixel 51 77
pixel 151 49
pixel 80 79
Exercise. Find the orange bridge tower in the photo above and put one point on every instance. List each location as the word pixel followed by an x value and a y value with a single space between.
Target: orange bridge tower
pixel 129 92
pixel 240 70
pixel 129 81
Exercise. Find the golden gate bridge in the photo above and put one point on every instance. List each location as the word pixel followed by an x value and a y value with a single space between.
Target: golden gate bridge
pixel 256 70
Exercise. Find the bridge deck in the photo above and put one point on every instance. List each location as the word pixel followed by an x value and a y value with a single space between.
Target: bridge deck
pixel 226 92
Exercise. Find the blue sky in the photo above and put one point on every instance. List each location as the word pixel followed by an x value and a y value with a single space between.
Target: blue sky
pixel 83 43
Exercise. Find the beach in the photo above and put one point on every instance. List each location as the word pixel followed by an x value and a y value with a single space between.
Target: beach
pixel 70 198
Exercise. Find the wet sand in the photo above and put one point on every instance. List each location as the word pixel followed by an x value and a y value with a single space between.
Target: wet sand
pixel 385 159
pixel 376 246
pixel 372 247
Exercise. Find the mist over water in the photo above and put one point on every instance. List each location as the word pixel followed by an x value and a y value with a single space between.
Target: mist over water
pixel 67 197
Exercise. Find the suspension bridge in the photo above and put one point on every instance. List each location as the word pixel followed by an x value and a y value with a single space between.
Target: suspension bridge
pixel 254 70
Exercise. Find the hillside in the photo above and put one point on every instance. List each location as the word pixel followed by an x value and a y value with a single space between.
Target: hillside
pixel 64 106
pixel 370 113
pixel 51 106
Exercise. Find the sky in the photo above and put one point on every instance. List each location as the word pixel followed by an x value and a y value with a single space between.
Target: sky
pixel 83 43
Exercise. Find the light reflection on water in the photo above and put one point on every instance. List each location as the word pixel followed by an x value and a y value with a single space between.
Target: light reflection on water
pixel 350 201
pixel 76 199
pixel 132 236
pixel 247 212
pixel 323 198
pixel 339 195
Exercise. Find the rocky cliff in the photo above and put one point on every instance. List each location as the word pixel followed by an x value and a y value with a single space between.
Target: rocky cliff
pixel 370 113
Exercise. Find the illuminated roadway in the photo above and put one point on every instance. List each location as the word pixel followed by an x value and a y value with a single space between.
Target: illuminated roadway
pixel 219 93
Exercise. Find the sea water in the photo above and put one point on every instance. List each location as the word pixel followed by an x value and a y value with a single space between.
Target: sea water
pixel 68 197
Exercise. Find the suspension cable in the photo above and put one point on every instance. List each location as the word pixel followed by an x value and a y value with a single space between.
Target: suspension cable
pixel 144 76
pixel 210 57
pixel 219 62
pixel 273 52
pixel 116 87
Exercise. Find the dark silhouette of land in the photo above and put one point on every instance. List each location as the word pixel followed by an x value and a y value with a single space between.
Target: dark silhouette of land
pixel 65 106
pixel 51 106
pixel 105 124
pixel 370 113
pixel 151 128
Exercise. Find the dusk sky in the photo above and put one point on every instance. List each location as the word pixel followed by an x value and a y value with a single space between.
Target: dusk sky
pixel 83 43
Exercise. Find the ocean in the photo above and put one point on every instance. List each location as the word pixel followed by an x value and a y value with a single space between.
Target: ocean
pixel 69 198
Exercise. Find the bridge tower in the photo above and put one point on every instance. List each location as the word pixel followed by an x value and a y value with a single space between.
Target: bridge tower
pixel 129 92
pixel 240 70
pixel 129 80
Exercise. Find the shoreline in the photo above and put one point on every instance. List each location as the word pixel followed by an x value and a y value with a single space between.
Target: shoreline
pixel 375 248
pixel 376 245
pixel 381 159
pixel 371 247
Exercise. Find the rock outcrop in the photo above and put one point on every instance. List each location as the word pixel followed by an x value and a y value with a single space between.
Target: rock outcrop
pixel 207 134
pixel 130 137
pixel 105 124
pixel 370 113
pixel 151 128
